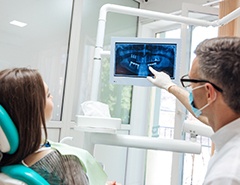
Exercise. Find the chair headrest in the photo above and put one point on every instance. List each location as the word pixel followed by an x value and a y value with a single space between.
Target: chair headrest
pixel 9 142
pixel 9 138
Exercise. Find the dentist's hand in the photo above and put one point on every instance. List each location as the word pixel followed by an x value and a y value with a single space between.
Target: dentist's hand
pixel 160 79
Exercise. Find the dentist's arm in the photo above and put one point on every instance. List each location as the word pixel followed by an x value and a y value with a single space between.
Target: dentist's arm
pixel 162 80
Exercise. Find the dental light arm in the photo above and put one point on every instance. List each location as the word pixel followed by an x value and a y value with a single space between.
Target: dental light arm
pixel 228 18
pixel 197 129
pixel 140 142
pixel 102 130
pixel 141 13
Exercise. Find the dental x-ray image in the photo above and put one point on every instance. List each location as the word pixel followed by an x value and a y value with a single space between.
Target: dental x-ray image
pixel 131 57
pixel 134 59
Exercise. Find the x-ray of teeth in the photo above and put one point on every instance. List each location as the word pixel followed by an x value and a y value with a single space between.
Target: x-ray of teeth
pixel 134 59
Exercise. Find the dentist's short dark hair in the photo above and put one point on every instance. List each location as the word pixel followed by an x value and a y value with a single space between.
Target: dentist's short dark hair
pixel 219 62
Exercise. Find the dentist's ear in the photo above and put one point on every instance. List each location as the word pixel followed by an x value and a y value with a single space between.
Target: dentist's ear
pixel 160 79
pixel 211 92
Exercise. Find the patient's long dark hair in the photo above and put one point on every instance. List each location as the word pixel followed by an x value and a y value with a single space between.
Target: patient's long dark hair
pixel 22 94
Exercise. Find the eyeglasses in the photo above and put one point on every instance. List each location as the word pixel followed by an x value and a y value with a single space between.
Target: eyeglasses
pixel 186 82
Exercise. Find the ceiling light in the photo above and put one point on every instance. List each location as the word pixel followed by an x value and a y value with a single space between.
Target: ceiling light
pixel 18 23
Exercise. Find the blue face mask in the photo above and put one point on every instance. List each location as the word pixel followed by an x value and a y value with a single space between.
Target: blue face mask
pixel 197 112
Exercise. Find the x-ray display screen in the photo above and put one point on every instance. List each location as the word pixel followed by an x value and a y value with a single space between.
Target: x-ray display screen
pixel 131 59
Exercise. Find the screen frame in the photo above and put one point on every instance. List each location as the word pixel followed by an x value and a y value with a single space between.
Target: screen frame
pixel 135 80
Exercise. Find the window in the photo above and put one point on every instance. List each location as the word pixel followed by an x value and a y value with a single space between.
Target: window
pixel 195 165
pixel 118 97
pixel 159 163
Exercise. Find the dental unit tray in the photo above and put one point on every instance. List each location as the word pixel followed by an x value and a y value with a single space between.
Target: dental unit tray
pixel 98 124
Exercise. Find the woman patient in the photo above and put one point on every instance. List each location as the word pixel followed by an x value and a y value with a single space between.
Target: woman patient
pixel 26 98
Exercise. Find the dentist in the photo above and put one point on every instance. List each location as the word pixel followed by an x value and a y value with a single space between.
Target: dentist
pixel 214 99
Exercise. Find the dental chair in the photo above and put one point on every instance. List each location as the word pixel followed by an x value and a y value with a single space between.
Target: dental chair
pixel 9 141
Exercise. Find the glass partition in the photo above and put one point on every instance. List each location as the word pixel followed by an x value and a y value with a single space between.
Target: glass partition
pixel 117 97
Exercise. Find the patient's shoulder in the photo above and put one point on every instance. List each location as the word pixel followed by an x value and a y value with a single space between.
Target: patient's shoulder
pixel 36 156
